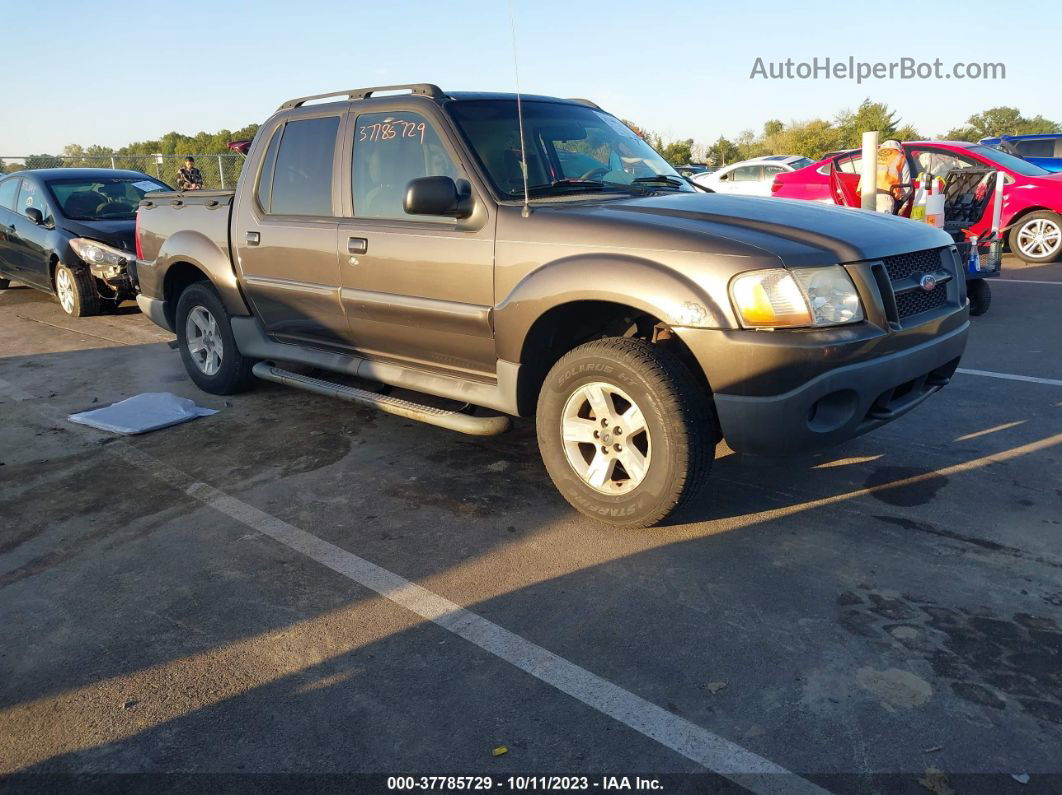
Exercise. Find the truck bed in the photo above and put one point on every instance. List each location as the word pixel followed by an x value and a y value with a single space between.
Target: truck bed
pixel 164 213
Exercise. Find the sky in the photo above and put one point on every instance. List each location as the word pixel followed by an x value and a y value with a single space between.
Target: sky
pixel 110 72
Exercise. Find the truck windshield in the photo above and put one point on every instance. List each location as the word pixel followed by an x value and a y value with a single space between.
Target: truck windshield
pixel 570 149
pixel 101 198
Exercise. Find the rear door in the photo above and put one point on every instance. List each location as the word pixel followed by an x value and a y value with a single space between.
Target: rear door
pixel 8 194
pixel 285 232
pixel 416 289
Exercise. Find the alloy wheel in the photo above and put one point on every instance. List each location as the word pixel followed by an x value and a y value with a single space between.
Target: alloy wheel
pixel 606 438
pixel 204 340
pixel 1040 237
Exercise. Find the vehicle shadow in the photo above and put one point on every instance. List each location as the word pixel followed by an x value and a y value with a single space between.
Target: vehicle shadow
pixel 130 580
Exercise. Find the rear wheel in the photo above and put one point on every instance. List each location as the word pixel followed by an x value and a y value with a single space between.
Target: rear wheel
pixel 76 290
pixel 625 431
pixel 207 345
pixel 1037 237
pixel 980 296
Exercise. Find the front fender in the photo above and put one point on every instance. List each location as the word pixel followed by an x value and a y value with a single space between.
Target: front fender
pixel 199 250
pixel 637 282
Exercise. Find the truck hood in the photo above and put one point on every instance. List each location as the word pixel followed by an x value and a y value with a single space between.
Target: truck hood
pixel 120 234
pixel 797 232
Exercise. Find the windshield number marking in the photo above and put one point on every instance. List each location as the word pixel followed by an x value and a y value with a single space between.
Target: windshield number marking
pixel 388 131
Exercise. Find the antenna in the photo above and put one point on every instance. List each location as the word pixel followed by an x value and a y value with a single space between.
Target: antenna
pixel 519 114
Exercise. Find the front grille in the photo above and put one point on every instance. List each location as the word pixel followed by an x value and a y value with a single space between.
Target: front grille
pixel 904 272
pixel 916 301
pixel 904 265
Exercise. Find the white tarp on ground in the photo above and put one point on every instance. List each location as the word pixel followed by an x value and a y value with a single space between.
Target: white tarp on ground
pixel 141 413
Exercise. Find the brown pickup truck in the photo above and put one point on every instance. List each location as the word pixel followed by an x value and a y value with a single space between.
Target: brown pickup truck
pixel 553 267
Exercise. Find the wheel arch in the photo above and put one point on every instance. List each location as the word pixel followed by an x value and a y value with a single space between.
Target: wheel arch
pixel 188 248
pixel 568 325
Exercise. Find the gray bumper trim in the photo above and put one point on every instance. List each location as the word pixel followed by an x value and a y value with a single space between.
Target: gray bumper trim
pixel 792 423
pixel 155 310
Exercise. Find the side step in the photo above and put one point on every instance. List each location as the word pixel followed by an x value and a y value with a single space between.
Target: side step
pixel 453 420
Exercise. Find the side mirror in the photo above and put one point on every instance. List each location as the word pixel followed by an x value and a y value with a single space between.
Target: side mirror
pixel 35 215
pixel 724 177
pixel 438 196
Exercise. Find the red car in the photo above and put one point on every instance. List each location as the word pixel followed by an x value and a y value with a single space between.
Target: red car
pixel 1032 197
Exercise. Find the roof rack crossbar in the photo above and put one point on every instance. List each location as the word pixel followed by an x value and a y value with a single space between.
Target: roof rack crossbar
pixel 423 89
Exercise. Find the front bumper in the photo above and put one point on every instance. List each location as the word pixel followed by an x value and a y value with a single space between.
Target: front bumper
pixel 829 393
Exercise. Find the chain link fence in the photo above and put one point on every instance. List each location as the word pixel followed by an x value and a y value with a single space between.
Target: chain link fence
pixel 220 172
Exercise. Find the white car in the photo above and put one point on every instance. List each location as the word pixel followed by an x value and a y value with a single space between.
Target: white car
pixel 751 177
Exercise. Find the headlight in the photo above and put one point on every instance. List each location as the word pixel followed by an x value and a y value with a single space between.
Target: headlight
pixel 103 260
pixel 778 297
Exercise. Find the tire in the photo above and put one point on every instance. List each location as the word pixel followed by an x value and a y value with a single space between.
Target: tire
pixel 674 452
pixel 1037 237
pixel 76 290
pixel 980 295
pixel 207 345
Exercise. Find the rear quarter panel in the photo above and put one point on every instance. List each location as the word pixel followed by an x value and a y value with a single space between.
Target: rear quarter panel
pixel 190 228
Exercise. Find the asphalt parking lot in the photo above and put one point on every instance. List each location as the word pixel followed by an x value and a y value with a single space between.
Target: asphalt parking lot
pixel 296 586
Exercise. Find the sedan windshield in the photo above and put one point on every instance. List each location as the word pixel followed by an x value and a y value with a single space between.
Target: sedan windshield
pixel 570 149
pixel 101 198
pixel 1010 162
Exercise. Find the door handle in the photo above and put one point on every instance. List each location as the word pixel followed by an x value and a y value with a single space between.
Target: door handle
pixel 253 238
pixel 357 245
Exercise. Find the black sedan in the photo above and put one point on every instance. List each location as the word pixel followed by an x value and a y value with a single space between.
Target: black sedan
pixel 71 232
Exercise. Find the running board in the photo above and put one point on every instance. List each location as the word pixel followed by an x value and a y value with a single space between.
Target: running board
pixel 454 420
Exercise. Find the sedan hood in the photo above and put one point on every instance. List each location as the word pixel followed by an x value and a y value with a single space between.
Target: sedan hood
pixel 120 234
pixel 797 232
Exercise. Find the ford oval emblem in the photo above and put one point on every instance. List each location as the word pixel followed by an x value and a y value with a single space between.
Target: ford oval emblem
pixel 928 282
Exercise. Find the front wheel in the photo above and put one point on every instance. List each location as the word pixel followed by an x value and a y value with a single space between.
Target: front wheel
pixel 625 431
pixel 76 290
pixel 980 296
pixel 1037 237
pixel 207 345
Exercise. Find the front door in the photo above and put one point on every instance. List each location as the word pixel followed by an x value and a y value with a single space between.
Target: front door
pixel 286 234
pixel 28 240
pixel 9 265
pixel 416 289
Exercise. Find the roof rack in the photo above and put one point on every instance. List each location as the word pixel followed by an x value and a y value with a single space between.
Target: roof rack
pixel 423 89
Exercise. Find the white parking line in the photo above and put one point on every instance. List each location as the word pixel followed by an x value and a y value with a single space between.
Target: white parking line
pixel 709 750
pixel 1011 377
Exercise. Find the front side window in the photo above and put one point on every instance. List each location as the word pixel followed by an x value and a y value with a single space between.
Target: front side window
pixel 570 149
pixel 8 193
pixel 31 195
pixel 102 198
pixel 1037 147
pixel 746 174
pixel 390 150
pixel 302 175
pixel 938 164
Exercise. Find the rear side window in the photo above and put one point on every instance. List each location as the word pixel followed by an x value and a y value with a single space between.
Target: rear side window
pixel 265 182
pixel 8 192
pixel 302 176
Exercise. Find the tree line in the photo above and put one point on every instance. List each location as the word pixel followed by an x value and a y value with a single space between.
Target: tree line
pixel 815 137
pixel 811 138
